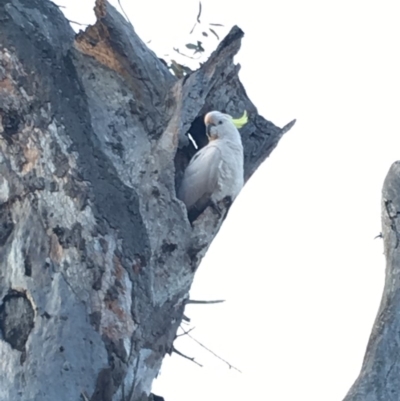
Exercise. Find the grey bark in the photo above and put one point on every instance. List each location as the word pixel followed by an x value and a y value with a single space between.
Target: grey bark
pixel 379 379
pixel 97 255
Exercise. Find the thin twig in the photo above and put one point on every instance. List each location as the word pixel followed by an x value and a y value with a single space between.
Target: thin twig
pixel 217 356
pixel 194 26
pixel 192 301
pixel 184 331
pixel 84 396
pixel 185 356
pixel 127 18
pixel 199 14
pixel 77 23
pixel 214 33
pixel 184 55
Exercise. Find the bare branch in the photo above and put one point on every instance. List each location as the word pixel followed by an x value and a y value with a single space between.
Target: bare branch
pixel 185 356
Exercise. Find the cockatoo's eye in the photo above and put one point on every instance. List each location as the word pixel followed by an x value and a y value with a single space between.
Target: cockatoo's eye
pixel 220 122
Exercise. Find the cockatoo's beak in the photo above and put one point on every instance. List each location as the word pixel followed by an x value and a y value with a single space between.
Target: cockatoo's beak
pixel 208 130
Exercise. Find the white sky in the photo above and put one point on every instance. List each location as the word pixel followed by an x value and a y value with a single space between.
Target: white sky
pixel 296 259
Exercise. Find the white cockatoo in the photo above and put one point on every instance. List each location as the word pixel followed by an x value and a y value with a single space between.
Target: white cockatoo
pixel 216 171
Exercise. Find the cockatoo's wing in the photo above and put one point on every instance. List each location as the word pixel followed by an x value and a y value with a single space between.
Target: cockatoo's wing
pixel 201 177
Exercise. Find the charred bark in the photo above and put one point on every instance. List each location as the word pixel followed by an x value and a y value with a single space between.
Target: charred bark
pixel 97 255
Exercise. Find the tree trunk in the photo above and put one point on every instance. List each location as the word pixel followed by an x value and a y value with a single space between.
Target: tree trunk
pixel 379 379
pixel 97 254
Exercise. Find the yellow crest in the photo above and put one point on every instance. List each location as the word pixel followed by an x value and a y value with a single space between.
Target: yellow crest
pixel 240 122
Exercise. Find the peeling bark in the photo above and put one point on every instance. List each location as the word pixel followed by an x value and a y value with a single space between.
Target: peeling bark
pixel 97 254
pixel 379 376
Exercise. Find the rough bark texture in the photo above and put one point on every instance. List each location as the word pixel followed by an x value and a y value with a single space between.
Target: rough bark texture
pixel 379 376
pixel 97 255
